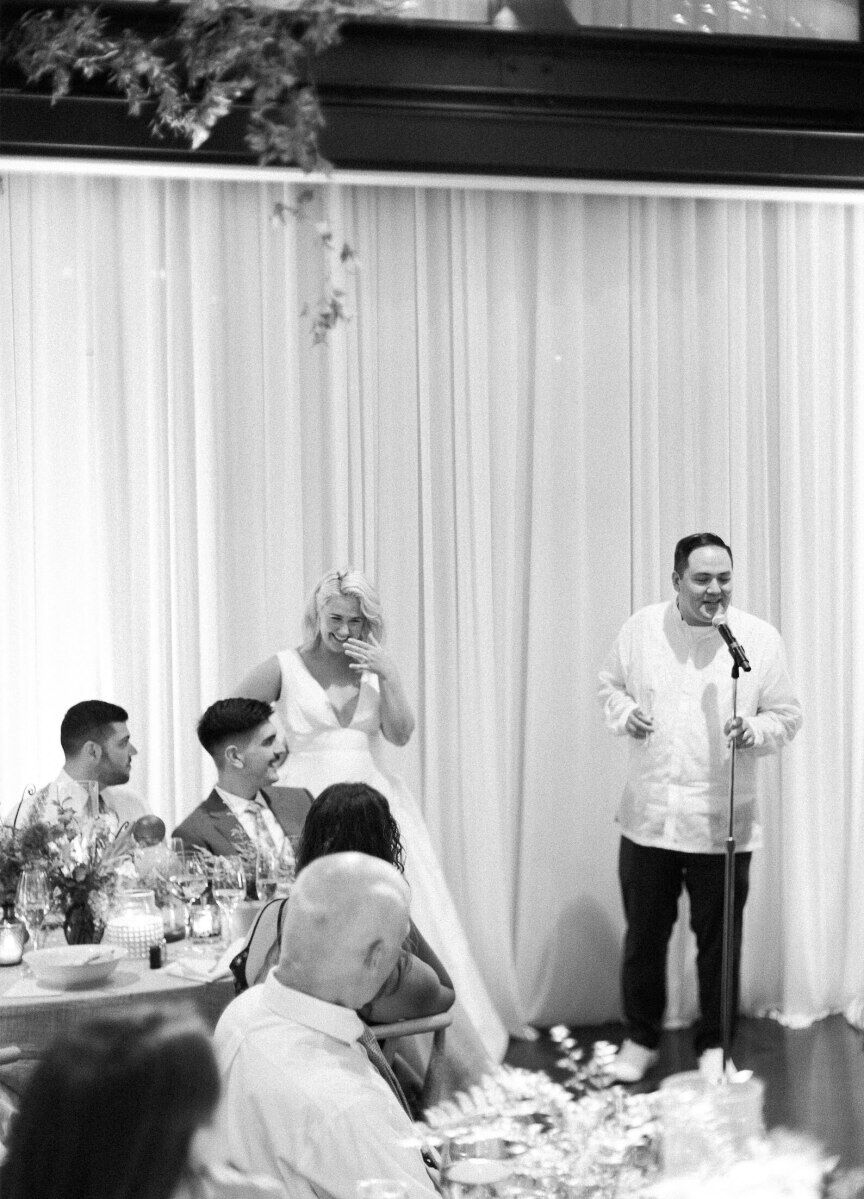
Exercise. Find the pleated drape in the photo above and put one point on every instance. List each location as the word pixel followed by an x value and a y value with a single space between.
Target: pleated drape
pixel 537 393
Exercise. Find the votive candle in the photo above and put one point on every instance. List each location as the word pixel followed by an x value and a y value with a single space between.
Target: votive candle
pixel 12 933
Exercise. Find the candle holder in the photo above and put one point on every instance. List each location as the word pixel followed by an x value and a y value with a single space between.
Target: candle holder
pixel 136 925
pixel 205 920
pixel 13 934
pixel 705 1126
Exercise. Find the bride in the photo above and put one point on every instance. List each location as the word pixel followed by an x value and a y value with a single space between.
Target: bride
pixel 336 696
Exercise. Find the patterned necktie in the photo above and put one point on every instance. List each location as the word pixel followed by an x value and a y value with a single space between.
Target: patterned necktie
pixel 263 836
pixel 379 1061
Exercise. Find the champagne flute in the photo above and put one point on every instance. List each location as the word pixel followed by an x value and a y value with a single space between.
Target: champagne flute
pixel 229 887
pixel 32 899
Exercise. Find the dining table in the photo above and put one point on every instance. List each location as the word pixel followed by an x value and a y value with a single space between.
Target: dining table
pixel 32 1014
pixel 193 976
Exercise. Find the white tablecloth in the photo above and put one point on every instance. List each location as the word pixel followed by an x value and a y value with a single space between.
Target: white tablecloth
pixel 32 1014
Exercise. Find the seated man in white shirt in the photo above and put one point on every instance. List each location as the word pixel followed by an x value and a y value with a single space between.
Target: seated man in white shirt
pixel 302 1102
pixel 247 749
pixel 95 739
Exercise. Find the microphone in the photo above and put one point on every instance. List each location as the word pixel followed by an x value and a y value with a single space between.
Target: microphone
pixel 732 643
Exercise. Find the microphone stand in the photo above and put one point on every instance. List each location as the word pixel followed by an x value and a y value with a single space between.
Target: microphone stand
pixel 727 989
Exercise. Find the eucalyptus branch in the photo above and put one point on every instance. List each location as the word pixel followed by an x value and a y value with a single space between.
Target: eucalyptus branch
pixel 219 54
pixel 331 308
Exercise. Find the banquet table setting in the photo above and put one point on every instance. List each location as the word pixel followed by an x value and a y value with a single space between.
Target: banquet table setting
pixel 520 1135
pixel 32 1010
pixel 100 920
pixel 515 1134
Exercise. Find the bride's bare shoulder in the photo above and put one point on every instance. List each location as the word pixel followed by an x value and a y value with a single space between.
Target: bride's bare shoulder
pixel 264 682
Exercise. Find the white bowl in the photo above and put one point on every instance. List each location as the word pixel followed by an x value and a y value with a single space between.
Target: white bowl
pixel 69 966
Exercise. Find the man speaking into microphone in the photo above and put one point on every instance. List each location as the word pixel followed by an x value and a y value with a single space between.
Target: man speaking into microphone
pixel 667 685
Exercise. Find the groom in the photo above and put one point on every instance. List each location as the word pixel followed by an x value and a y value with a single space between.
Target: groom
pixel 244 743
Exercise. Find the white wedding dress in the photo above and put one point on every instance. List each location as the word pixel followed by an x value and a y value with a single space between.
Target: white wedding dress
pixel 323 752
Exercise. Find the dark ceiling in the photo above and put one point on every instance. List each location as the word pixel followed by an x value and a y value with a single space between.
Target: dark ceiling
pixel 429 96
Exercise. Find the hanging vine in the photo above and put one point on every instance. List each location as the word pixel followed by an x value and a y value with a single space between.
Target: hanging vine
pixel 219 54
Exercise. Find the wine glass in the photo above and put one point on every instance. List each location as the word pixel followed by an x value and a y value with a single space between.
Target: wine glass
pixel 32 899
pixel 286 866
pixel 266 876
pixel 189 874
pixel 228 877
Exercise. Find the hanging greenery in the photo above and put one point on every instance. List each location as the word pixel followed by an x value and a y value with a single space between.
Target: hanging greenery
pixel 219 54
pixel 332 307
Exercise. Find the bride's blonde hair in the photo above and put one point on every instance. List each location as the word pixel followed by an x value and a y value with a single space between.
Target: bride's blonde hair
pixel 353 584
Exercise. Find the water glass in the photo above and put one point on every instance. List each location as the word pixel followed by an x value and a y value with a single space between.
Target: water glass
pixel 705 1127
pixel 188 873
pixel 228 877
pixel 476 1178
pixel 266 872
pixel 286 866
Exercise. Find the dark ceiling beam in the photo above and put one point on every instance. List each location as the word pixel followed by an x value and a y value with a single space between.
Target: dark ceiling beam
pixel 418 96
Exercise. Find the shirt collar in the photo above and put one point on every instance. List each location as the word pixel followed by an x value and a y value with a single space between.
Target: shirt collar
pixel 693 632
pixel 236 804
pixel 341 1023
pixel 64 779
pixel 67 779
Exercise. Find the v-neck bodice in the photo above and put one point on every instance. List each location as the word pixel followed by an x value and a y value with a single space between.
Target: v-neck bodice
pixel 310 720
pixel 351 687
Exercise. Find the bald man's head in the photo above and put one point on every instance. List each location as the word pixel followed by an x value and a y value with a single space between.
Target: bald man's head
pixel 344 927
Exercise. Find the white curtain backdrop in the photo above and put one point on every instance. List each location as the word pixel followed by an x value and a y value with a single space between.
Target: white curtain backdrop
pixel 539 391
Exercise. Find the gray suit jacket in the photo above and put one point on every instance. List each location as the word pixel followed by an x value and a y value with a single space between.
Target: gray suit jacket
pixel 212 826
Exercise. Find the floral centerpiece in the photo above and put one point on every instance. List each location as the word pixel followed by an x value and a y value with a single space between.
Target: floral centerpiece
pixel 11 866
pixel 81 859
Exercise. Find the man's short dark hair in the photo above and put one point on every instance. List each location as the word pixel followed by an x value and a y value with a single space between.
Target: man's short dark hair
pixel 229 718
pixel 90 720
pixel 687 545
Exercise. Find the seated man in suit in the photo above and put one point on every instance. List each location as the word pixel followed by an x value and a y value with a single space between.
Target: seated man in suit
pixel 244 743
pixel 96 743
pixel 302 1101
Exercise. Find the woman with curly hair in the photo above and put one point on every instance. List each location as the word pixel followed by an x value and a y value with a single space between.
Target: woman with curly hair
pixel 355 817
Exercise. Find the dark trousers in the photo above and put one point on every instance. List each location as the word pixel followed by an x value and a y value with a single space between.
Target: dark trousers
pixel 651 881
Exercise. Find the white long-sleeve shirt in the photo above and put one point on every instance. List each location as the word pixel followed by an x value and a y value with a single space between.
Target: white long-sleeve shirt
pixel 302 1103
pixel 677 790
pixel 126 804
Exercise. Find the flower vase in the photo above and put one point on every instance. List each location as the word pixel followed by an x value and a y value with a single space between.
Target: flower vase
pixel 80 925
